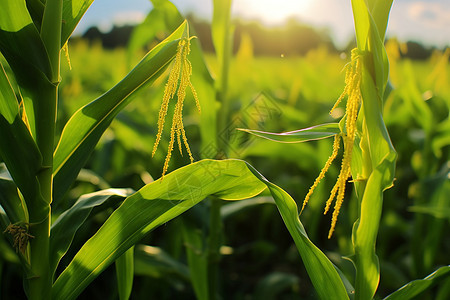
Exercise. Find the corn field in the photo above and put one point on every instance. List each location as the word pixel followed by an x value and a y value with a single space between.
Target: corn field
pixel 171 173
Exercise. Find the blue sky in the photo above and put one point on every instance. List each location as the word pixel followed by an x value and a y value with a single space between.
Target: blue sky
pixel 427 21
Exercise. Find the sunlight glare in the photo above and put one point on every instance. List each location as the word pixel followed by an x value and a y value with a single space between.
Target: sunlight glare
pixel 272 11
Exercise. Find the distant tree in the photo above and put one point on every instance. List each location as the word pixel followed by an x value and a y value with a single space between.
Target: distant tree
pixel 417 51
pixel 118 36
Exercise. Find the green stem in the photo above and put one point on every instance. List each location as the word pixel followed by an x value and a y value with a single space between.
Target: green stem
pixel 40 283
pixel 224 116
pixel 214 244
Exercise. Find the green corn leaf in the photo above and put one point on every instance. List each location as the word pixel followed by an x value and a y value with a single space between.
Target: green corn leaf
pixel 416 287
pixel 125 273
pixel 163 200
pixel 366 12
pixel 321 271
pixel 380 13
pixel 302 135
pixel 9 108
pixel 73 11
pixel 153 205
pixel 64 228
pixel 14 207
pixel 361 18
pixel 24 50
pixel 17 147
pixel 86 126
pixel 36 9
pixel 21 44
pixel 379 58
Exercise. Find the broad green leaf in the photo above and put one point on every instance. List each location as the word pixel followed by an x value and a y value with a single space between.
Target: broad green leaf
pixel 17 147
pixel 9 108
pixel 379 59
pixel 36 9
pixel 381 148
pixel 24 50
pixel 125 273
pixel 86 126
pixel 154 205
pixel 365 234
pixel 381 169
pixel 302 135
pixel 362 23
pixel 50 33
pixel 165 199
pixel 321 271
pixel 380 13
pixel 73 11
pixel 21 44
pixel 416 287
pixel 15 208
pixel 64 228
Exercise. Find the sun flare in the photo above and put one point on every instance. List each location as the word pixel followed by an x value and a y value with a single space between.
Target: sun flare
pixel 270 11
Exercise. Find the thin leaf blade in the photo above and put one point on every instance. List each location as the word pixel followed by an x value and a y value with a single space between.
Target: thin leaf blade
pixel 73 11
pixel 416 287
pixel 323 274
pixel 64 228
pixel 297 136
pixel 125 273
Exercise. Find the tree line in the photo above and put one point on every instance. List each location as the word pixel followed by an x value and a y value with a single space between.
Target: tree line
pixel 292 38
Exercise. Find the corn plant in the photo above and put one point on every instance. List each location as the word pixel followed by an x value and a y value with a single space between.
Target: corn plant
pixel 40 165
pixel 369 156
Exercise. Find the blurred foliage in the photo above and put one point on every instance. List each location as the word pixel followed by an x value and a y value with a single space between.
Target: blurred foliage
pixel 271 93
pixel 293 37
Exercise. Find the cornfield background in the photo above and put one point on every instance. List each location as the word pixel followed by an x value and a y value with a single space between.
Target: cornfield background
pixel 275 94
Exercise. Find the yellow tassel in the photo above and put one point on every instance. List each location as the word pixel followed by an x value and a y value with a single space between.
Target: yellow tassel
pixel 353 92
pixel 323 171
pixel 179 80
pixel 66 53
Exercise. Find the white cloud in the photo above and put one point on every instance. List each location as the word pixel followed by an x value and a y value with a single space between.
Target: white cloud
pixel 128 17
pixel 433 15
pixel 121 19
pixel 422 21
